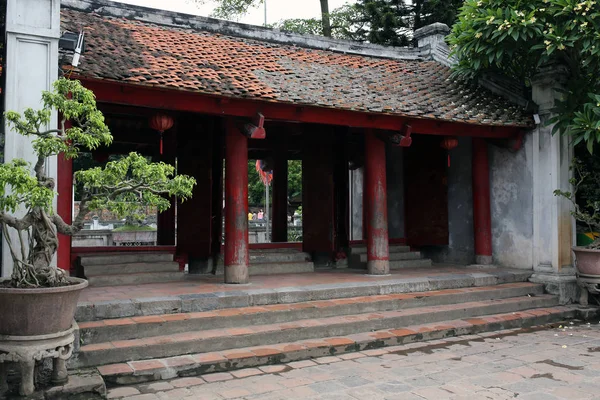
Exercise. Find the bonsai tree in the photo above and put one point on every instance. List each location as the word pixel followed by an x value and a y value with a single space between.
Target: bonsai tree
pixel 587 211
pixel 121 186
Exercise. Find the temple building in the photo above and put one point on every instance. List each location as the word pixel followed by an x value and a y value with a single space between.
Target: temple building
pixel 395 151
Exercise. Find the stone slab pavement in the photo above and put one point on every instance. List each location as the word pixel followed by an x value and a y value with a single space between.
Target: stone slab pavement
pixel 551 362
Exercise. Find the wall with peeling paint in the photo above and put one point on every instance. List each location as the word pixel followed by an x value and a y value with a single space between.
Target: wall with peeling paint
pixel 395 191
pixel 511 186
pixel 460 249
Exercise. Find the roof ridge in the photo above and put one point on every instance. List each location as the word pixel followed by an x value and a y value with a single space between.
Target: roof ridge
pixel 196 22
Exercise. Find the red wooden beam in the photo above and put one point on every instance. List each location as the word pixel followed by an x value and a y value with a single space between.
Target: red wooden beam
pixel 142 96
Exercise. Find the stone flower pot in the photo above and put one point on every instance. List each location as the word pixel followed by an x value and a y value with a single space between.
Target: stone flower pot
pixel 587 261
pixel 40 311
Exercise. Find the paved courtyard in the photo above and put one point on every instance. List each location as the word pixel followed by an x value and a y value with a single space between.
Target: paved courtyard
pixel 551 362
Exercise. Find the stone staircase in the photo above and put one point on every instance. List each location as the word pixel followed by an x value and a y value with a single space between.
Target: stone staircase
pixel 275 261
pixel 400 257
pixel 198 334
pixel 131 268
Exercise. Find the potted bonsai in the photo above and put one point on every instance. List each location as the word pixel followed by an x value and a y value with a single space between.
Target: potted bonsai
pixel 39 299
pixel 587 212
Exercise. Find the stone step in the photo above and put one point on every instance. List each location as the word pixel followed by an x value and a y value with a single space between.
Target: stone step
pixel 227 339
pixel 141 327
pixel 397 256
pixel 395 264
pixel 130 268
pixel 244 296
pixel 124 258
pixel 266 257
pixel 293 267
pixel 194 364
pixel 135 278
pixel 401 264
pixel 393 248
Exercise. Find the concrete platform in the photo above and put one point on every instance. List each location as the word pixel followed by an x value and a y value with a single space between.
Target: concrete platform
pixel 207 292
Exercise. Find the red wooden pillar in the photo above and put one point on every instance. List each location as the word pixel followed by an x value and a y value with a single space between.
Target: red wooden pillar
pixel 482 220
pixel 375 205
pixel 280 189
pixel 236 205
pixel 165 235
pixel 64 207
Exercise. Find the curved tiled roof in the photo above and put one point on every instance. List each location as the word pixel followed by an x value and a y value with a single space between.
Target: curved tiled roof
pixel 206 62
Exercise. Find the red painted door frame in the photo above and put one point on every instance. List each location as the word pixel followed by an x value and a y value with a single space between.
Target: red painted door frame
pixel 64 208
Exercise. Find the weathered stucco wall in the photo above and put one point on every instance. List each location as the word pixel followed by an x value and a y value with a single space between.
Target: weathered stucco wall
pixel 511 192
pixel 32 33
pixel 356 203
pixel 460 248
pixel 395 191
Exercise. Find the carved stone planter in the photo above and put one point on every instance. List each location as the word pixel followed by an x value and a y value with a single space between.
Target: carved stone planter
pixel 37 324
pixel 587 263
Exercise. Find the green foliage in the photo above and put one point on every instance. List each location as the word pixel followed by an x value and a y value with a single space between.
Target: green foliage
pixel 232 9
pixel 518 37
pixel 344 23
pixel 256 189
pixel 126 185
pixel 18 186
pixel 385 22
pixel 75 103
pixel 134 228
pixel 586 209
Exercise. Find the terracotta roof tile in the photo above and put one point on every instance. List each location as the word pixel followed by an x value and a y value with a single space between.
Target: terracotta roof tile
pixel 210 63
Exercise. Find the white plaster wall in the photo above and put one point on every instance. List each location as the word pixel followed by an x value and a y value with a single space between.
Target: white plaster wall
pixel 511 192
pixel 33 29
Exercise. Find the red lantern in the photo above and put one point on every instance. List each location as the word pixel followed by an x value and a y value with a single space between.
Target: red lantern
pixel 449 143
pixel 161 123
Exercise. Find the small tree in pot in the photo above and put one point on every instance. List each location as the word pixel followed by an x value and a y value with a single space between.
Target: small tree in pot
pixel 586 212
pixel 121 187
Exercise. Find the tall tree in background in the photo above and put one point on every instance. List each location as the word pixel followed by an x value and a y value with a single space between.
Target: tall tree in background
pixel 386 22
pixel 234 9
pixel 391 22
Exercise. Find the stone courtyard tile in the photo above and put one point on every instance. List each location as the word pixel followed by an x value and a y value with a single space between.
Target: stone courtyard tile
pixel 234 393
pixel 354 381
pixel 403 396
pixel 175 394
pixel 432 393
pixel 147 396
pixel 119 392
pixel 326 387
pixel 295 382
pixel 336 396
pixel 394 388
pixel 366 392
pixel 571 393
pixel 538 396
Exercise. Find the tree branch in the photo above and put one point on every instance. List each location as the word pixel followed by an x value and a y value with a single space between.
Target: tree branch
pixel 16 223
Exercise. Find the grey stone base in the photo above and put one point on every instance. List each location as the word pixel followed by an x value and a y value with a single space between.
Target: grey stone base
pixel 87 385
pixel 563 285
pixel 483 260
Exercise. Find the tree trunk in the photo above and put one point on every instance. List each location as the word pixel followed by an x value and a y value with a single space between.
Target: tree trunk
pixel 325 18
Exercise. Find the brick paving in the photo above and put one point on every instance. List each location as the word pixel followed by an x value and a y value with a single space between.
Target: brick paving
pixel 551 362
